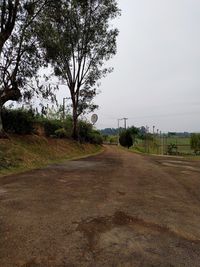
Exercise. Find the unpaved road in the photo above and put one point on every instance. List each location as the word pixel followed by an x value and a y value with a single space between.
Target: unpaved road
pixel 113 209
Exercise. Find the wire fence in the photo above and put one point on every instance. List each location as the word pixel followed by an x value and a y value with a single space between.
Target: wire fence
pixel 164 145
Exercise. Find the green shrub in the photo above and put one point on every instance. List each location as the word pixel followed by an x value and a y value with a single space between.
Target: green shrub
pixel 126 139
pixel 51 126
pixel 96 138
pixel 113 139
pixel 61 133
pixel 172 149
pixel 195 143
pixel 21 121
pixel 84 130
pixel 87 134
pixel 68 125
pixel 18 121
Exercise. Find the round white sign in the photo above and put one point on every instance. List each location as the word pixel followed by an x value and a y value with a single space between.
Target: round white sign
pixel 94 118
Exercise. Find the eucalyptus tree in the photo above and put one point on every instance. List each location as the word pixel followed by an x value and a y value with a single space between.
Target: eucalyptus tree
pixel 8 17
pixel 20 54
pixel 78 42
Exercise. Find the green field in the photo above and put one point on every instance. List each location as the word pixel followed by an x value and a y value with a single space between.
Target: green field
pixel 160 145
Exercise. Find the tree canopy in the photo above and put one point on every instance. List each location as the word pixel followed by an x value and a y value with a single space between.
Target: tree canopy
pixel 126 138
pixel 73 36
pixel 78 40
pixel 195 142
pixel 20 54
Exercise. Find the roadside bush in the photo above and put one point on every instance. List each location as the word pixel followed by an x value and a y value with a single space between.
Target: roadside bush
pixel 87 134
pixel 172 149
pixel 68 125
pixel 51 126
pixel 85 129
pixel 96 138
pixel 18 121
pixel 61 133
pixel 195 143
pixel 113 139
pixel 126 139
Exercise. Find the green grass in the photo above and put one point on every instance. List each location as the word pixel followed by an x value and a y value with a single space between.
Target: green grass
pixel 160 145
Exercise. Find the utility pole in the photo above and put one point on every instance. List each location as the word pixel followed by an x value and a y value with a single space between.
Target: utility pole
pixel 118 120
pixel 154 141
pixel 157 140
pixel 161 143
pixel 118 131
pixel 146 139
pixel 125 120
pixel 118 126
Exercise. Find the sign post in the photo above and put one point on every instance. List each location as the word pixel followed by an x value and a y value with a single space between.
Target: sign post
pixel 94 118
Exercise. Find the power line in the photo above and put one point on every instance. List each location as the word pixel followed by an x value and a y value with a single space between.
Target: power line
pixel 125 120
pixel 164 115
pixel 110 117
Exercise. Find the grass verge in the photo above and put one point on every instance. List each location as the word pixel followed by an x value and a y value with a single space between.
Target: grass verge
pixel 21 153
pixel 185 157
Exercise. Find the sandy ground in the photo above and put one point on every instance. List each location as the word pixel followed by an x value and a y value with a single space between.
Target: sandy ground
pixel 113 209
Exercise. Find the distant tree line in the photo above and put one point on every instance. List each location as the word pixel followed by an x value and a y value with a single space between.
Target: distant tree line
pixel 142 131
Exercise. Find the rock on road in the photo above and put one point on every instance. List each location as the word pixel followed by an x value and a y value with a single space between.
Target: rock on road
pixel 113 209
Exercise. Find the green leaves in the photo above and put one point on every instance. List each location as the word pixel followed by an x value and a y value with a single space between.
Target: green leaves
pixel 21 56
pixel 74 36
pixel 77 41
pixel 126 139
pixel 195 142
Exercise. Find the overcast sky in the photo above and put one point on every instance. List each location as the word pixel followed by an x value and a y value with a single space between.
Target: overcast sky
pixel 156 78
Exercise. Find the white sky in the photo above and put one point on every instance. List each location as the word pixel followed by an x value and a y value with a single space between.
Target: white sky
pixel 156 78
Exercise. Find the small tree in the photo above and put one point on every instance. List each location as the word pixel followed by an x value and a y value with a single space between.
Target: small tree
pixel 195 142
pixel 172 149
pixel 134 133
pixel 126 139
pixel 78 40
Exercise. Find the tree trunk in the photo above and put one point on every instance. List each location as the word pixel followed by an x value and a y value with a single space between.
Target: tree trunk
pixel 2 133
pixel 74 112
pixel 1 124
pixel 75 127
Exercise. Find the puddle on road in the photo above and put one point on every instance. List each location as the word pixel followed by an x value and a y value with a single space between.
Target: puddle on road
pixel 94 228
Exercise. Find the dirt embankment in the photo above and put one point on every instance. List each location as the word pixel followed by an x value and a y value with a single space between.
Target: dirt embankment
pixel 19 153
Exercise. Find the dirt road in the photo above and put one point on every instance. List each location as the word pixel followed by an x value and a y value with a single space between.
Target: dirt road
pixel 114 209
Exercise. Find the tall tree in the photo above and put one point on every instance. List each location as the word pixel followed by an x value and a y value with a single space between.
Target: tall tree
pixel 78 41
pixel 20 55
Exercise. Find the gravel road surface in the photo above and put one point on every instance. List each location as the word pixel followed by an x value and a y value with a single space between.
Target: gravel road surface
pixel 113 209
